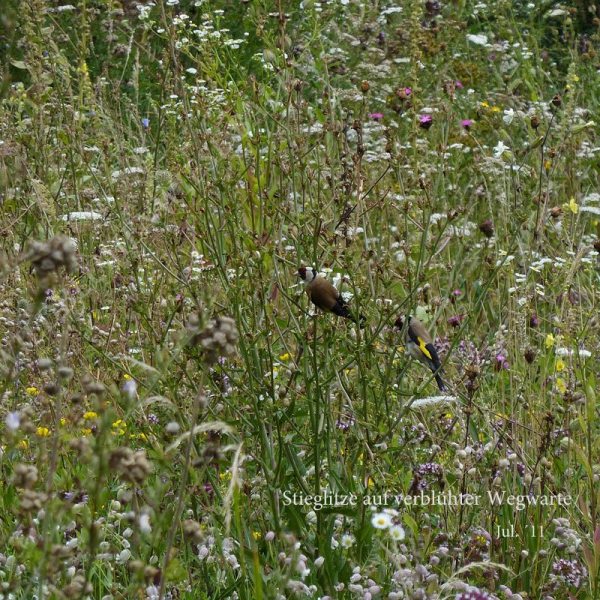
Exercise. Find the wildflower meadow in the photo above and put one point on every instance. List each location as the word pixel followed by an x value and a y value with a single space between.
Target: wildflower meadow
pixel 182 416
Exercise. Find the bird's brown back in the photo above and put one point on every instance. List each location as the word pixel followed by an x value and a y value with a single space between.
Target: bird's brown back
pixel 322 293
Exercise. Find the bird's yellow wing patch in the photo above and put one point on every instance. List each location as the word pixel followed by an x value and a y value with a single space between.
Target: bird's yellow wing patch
pixel 423 348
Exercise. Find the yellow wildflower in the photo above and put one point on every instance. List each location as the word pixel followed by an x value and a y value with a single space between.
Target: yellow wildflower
pixel 127 377
pixel 89 415
pixel 561 386
pixel 484 104
pixel 370 482
pixel 86 431
pixel 119 427
pixel 547 164
pixel 226 476
pixel 63 421
pixel 23 445
pixel 572 206
pixel 285 357
pixel 256 535
pixel 32 391
pixel 560 365
pixel 42 431
pixel 496 109
pixel 549 341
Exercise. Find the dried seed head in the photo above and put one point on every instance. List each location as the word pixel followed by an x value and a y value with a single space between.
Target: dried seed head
pixel 91 386
pixel 32 501
pixel 25 476
pixel 65 373
pixel 77 587
pixel 52 388
pixel 81 446
pixel 44 364
pixel 218 339
pixel 555 211
pixel 131 466
pixel 487 228
pixel 192 531
pixel 47 257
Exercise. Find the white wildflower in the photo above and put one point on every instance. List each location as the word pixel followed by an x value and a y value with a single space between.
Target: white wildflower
pixel 480 39
pixel 397 533
pixel 432 400
pixel 381 520
pixel 88 215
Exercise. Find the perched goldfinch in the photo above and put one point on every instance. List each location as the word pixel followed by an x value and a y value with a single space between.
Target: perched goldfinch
pixel 325 296
pixel 420 346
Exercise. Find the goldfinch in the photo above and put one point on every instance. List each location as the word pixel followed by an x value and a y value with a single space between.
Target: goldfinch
pixel 420 346
pixel 325 296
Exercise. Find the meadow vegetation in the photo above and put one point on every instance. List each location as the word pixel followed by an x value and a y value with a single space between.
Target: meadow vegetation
pixel 166 388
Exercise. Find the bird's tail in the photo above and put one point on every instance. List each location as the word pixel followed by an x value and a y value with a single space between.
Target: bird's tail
pixel 342 310
pixel 440 382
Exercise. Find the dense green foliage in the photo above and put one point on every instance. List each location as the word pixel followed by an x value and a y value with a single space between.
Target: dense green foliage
pixel 167 167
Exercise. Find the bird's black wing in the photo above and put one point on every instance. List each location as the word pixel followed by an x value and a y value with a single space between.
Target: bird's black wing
pixel 340 308
pixel 435 359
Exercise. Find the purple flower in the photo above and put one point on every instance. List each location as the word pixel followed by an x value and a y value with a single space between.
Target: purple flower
pixel 425 121
pixel 466 123
pixel 404 92
pixel 458 84
pixel 145 123
pixel 456 320
pixel 376 116
pixel 534 320
pixel 473 595
pixel 345 422
pixel 571 572
pixel 500 362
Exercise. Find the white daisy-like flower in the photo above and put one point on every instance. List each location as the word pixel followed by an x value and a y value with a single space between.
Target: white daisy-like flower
pixel 397 533
pixel 347 541
pixel 381 520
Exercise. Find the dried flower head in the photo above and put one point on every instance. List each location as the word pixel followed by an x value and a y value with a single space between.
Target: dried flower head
pixel 25 476
pixel 48 257
pixel 192 531
pixel 487 228
pixel 32 501
pixel 217 339
pixel 131 466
